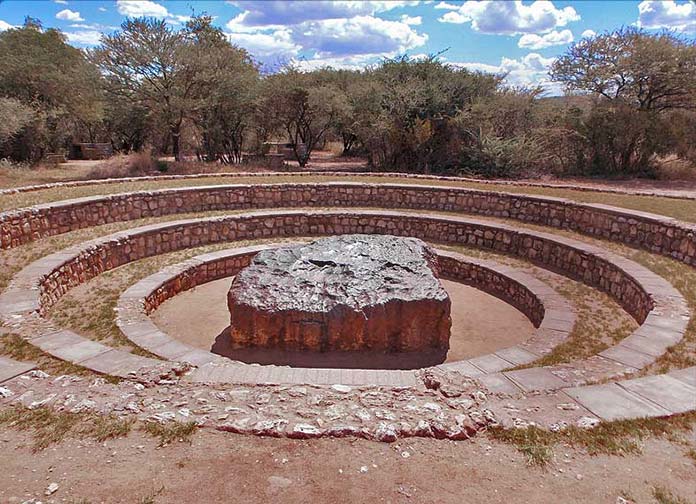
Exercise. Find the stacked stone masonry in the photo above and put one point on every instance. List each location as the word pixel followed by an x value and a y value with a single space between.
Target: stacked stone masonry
pixel 646 296
pixel 654 233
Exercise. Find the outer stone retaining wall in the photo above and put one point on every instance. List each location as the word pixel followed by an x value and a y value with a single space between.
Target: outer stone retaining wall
pixel 657 234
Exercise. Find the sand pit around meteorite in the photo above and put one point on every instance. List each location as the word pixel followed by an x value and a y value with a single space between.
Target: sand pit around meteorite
pixel 342 293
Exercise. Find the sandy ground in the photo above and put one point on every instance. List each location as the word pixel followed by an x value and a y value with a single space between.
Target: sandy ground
pixel 221 467
pixel 480 324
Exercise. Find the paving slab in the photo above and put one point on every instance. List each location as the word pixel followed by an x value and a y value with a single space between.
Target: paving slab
pixel 85 349
pixel 664 390
pixel 463 367
pixel 647 345
pixel 686 375
pixel 628 356
pixel 535 379
pixel 117 363
pixel 612 402
pixel 498 383
pixel 517 355
pixel 10 368
pixel 491 363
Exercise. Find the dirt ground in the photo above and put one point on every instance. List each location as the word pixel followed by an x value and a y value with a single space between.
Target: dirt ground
pixel 222 467
pixel 480 324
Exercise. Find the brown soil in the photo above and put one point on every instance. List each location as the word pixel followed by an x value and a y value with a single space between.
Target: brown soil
pixel 480 324
pixel 222 467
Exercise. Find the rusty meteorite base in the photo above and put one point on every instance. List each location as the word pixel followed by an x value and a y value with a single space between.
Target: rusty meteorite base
pixel 342 293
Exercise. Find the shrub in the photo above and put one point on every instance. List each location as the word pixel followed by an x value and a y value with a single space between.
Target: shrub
pixel 121 166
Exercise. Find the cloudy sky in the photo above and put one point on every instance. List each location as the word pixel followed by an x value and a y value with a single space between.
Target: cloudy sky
pixel 519 38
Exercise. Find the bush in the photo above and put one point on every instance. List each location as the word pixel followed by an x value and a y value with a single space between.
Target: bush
pixel 131 165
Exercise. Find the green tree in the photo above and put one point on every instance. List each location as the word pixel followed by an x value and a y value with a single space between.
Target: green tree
pixel 44 73
pixel 152 65
pixel 223 106
pixel 301 107
pixel 649 71
pixel 637 79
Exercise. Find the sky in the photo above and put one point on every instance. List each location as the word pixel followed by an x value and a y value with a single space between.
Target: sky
pixel 521 39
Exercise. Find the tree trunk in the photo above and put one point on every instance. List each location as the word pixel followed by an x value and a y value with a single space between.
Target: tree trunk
pixel 175 144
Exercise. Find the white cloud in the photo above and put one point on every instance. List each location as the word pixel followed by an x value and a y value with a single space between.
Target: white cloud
pixel 281 12
pixel 511 18
pixel 62 2
pixel 553 38
pixel 84 37
pixel 357 62
pixel 531 70
pixel 667 14
pixel 5 25
pixel 357 35
pixel 276 43
pixel 447 6
pixel 412 20
pixel 68 15
pixel 139 8
pixel 103 9
pixel 588 34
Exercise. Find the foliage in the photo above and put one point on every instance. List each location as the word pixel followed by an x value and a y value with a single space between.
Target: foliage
pixel 165 89
pixel 52 86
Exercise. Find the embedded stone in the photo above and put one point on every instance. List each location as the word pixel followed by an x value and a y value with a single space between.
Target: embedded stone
pixel 345 293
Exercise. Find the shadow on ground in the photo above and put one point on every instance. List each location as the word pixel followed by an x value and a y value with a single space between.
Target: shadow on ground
pixel 347 360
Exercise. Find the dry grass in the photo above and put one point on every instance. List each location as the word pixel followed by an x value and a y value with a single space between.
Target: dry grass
pixel 677 208
pixel 88 309
pixel 137 164
pixel 620 438
pixel 172 431
pixel 664 496
pixel 49 426
pixel 15 347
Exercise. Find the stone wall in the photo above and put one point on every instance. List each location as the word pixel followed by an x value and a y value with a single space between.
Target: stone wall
pixel 584 262
pixel 654 233
pixel 452 268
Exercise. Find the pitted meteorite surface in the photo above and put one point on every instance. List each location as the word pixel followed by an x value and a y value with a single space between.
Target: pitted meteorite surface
pixel 349 292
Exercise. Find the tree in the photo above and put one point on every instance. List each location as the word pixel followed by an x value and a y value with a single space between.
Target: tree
pixel 55 80
pixel 302 108
pixel 637 80
pixel 224 104
pixel 14 116
pixel 154 66
pixel 650 72
pixel 406 110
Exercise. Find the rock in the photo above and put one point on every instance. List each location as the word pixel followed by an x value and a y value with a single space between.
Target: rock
pixel 304 431
pixel 5 392
pixel 349 292
pixel 386 433
pixel 343 389
pixel 51 489
pixel 277 483
pixel 587 422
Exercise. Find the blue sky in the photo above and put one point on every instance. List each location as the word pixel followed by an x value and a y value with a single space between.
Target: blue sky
pixel 519 38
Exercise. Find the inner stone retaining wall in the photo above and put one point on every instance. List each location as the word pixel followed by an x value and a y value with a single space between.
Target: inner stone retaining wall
pixel 654 233
pixel 469 272
pixel 575 259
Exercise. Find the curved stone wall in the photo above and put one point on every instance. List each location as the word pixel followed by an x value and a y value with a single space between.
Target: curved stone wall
pixel 550 313
pixel 572 258
pixel 654 233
